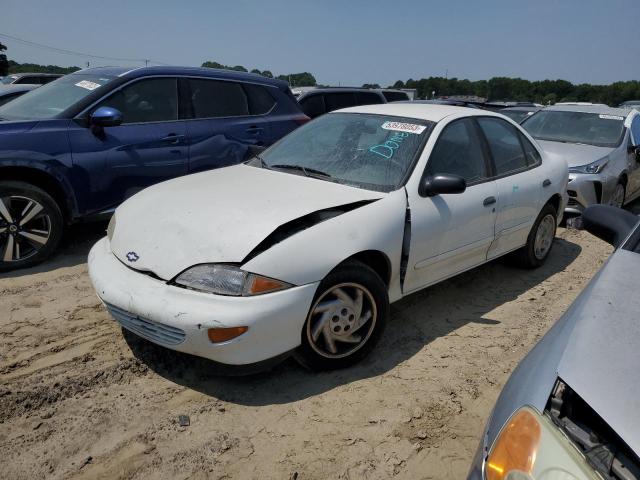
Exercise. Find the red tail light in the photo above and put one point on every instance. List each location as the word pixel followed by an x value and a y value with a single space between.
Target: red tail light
pixel 301 120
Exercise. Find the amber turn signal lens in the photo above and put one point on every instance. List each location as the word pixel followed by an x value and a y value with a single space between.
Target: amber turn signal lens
pixel 515 448
pixel 217 335
pixel 265 285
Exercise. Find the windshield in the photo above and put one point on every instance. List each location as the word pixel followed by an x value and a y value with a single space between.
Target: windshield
pixel 7 80
pixel 53 98
pixel 576 127
pixel 375 152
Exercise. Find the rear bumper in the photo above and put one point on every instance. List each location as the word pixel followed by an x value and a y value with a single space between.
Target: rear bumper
pixel 178 318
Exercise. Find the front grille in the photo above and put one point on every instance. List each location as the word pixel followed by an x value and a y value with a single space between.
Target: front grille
pixel 156 332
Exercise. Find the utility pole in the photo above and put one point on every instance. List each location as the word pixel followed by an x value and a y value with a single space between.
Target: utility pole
pixel 146 63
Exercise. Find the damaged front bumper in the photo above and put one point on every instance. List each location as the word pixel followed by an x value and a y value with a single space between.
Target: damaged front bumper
pixel 588 189
pixel 178 318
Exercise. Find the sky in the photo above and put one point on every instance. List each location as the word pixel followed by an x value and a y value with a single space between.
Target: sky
pixel 345 42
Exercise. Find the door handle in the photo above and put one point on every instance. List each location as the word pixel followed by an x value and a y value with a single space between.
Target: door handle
pixel 489 201
pixel 173 138
pixel 254 129
pixel 546 183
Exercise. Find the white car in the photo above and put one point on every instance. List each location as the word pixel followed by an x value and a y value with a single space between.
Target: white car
pixel 301 250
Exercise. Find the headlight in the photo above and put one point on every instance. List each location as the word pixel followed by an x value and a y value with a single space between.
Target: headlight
pixel 112 227
pixel 531 447
pixel 595 167
pixel 225 279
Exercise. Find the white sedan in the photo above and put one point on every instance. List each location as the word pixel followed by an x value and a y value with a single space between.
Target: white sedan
pixel 300 250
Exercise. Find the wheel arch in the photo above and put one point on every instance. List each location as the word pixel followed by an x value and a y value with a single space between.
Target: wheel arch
pixel 555 201
pixel 48 181
pixel 376 260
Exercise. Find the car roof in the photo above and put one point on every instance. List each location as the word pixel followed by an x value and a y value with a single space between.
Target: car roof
pixel 173 70
pixel 602 109
pixel 418 110
pixel 342 89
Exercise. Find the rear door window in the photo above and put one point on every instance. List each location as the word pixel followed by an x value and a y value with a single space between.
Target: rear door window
pixel 335 101
pixel 395 96
pixel 635 131
pixel 368 98
pixel 506 150
pixel 217 98
pixel 259 99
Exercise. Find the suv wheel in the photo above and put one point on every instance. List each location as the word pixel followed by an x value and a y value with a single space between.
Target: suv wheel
pixel 30 225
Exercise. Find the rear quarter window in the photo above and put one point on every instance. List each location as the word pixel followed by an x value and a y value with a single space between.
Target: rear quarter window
pixel 259 99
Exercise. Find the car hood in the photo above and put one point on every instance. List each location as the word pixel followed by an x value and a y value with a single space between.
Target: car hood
pixel 217 216
pixel 9 127
pixel 575 154
pixel 601 358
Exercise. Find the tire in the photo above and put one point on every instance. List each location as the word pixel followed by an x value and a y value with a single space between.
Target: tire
pixel 618 195
pixel 315 351
pixel 534 254
pixel 44 225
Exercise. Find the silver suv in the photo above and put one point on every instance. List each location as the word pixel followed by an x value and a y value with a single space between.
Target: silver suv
pixel 602 147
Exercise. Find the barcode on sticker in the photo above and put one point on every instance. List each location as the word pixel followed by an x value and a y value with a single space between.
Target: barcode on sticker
pixel 86 84
pixel 404 127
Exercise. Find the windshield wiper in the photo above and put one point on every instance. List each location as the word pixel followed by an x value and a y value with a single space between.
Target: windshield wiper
pixel 308 172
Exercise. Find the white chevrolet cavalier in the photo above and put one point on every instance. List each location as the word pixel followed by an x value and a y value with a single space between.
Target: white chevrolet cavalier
pixel 302 249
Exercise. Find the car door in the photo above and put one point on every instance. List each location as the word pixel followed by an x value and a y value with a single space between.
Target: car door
pixel 148 147
pixel 521 186
pixel 227 121
pixel 452 233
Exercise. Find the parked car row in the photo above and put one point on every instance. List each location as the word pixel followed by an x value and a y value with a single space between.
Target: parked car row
pixel 76 148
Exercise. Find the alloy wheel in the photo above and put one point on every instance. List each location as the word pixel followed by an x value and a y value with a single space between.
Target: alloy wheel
pixel 341 320
pixel 25 228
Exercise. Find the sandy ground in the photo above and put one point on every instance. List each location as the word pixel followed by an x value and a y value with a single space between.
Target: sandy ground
pixel 80 399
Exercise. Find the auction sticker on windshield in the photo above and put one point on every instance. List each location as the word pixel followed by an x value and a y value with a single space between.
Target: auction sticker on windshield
pixel 86 84
pixel 404 127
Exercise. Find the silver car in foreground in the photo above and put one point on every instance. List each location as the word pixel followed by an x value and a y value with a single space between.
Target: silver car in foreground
pixel 571 409
pixel 602 147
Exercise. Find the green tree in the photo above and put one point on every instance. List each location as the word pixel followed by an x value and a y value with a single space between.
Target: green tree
pixel 267 73
pixel 4 65
pixel 370 85
pixel 304 79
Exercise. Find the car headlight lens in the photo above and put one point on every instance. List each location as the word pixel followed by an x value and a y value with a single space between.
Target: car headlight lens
pixel 595 167
pixel 531 447
pixel 111 227
pixel 225 279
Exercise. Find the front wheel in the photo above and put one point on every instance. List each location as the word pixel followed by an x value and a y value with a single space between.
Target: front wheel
pixel 617 197
pixel 540 239
pixel 346 318
pixel 31 225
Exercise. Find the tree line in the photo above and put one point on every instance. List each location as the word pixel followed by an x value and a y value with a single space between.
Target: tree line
pixel 518 89
pixel 302 79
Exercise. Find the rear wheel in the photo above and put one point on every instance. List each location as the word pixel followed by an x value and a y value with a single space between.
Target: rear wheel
pixel 31 225
pixel 540 239
pixel 346 319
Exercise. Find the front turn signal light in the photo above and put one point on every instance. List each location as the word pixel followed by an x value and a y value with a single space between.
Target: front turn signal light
pixel 257 284
pixel 515 448
pixel 219 335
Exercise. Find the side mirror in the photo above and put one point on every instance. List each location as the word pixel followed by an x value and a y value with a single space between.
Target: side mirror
pixel 106 117
pixel 609 223
pixel 441 183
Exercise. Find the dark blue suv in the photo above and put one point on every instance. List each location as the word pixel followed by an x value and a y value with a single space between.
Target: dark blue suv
pixel 79 146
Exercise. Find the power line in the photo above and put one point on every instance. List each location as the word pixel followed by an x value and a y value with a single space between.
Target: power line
pixel 64 51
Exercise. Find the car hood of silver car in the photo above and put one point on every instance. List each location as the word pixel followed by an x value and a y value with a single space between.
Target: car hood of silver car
pixel 601 360
pixel 576 154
